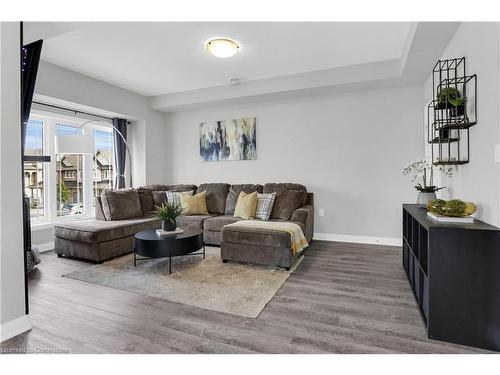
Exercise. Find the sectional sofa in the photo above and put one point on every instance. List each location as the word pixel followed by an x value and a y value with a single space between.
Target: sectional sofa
pixel 103 237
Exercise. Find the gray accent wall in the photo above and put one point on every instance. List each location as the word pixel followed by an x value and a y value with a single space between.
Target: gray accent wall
pixel 349 149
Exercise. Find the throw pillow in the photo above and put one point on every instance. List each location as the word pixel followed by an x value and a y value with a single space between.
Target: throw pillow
pixel 120 204
pixel 216 196
pixel 286 202
pixel 194 205
pixel 265 203
pixel 146 198
pixel 277 187
pixel 246 205
pixel 159 197
pixel 173 196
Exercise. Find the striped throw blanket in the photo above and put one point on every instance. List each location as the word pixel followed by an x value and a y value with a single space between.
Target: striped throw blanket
pixel 297 238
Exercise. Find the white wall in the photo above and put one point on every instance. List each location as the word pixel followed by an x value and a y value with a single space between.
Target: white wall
pixel 12 314
pixel 349 149
pixel 478 181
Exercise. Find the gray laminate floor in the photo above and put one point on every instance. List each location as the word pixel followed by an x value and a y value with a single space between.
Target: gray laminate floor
pixel 343 298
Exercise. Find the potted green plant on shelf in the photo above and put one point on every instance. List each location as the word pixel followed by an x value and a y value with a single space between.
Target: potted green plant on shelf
pixel 168 213
pixel 421 169
pixel 451 98
pixel 457 107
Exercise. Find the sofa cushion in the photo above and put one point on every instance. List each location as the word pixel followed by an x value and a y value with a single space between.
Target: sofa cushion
pixel 246 205
pixel 146 199
pixel 195 221
pixel 256 236
pixel 270 187
pixel 234 192
pixel 99 213
pixel 121 204
pixel 216 197
pixel 181 187
pixel 95 231
pixel 286 202
pixel 159 198
pixel 194 205
pixel 217 223
pixel 154 187
pixel 275 187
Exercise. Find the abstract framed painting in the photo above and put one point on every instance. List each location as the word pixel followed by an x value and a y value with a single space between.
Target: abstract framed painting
pixel 234 139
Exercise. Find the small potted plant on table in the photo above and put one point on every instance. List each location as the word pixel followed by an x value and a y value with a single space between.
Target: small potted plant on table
pixel 168 213
pixel 424 170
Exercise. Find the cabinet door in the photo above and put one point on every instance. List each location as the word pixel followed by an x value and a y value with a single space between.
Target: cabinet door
pixel 410 268
pixel 405 256
pixel 416 279
pixel 424 287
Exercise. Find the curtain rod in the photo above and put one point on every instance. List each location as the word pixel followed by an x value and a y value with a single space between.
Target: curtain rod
pixel 73 110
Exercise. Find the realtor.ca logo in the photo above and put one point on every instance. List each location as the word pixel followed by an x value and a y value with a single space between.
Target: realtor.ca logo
pixel 33 350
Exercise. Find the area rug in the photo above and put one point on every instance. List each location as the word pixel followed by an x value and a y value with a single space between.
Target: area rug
pixel 231 287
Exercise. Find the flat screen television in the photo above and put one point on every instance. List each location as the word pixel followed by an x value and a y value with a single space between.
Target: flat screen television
pixel 30 59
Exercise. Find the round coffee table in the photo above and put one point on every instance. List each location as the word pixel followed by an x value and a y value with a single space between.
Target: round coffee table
pixel 149 244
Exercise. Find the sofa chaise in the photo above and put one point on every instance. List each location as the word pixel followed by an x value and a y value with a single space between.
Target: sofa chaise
pixel 106 236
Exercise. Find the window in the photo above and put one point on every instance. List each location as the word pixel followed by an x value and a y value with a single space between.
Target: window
pixel 68 185
pixel 33 171
pixel 69 177
pixel 103 159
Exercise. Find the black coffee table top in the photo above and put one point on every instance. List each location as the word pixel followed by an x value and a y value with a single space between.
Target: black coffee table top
pixel 151 235
pixel 151 245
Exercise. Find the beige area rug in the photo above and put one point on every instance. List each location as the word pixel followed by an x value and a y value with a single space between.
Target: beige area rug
pixel 231 287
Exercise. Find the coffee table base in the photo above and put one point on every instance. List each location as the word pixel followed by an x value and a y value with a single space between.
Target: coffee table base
pixel 169 258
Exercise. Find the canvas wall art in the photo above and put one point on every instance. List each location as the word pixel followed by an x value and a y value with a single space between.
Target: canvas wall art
pixel 234 139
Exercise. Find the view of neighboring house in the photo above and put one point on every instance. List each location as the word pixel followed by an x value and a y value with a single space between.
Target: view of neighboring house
pixel 69 180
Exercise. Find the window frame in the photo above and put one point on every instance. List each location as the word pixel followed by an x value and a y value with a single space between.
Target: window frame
pixel 50 121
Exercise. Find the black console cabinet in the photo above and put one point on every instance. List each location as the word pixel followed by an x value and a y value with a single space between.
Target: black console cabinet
pixel 454 273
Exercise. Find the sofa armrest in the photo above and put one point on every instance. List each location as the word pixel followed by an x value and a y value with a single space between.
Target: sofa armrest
pixel 305 215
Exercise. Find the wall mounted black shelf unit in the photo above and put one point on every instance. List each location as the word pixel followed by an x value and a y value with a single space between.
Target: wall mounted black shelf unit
pixel 454 274
pixel 451 112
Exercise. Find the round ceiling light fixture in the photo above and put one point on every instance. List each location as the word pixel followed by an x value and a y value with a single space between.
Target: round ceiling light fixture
pixel 222 47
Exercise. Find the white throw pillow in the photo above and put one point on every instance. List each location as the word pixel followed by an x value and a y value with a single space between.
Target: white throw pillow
pixel 173 196
pixel 265 203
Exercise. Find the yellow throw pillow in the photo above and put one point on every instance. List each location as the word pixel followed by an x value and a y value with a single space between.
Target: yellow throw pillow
pixel 194 205
pixel 246 206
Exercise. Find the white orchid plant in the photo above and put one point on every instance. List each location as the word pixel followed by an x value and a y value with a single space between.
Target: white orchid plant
pixel 425 170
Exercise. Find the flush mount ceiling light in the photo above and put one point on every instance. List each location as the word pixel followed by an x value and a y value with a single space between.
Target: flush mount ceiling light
pixel 222 47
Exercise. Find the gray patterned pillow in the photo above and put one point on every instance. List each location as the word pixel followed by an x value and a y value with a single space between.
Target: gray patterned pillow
pixel 265 204
pixel 173 196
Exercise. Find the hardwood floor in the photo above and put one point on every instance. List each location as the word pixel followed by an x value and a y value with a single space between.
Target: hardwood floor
pixel 343 298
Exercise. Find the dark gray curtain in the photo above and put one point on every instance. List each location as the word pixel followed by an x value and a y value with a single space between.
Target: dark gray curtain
pixel 120 151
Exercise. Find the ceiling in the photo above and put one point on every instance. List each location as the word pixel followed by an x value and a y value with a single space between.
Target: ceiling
pixel 167 57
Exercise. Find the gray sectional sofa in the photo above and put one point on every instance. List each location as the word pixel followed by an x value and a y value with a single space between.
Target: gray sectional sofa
pixel 104 238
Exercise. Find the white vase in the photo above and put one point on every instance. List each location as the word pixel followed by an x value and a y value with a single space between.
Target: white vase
pixel 424 198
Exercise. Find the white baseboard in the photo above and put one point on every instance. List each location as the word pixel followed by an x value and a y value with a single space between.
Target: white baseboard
pixel 47 246
pixel 389 241
pixel 14 327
